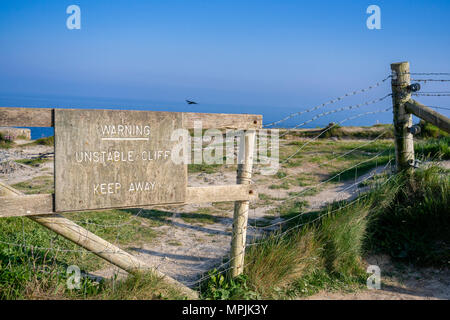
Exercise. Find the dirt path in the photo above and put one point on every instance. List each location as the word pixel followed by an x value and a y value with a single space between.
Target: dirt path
pixel 406 283
pixel 184 249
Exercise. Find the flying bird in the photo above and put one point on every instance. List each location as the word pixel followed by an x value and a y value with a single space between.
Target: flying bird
pixel 191 102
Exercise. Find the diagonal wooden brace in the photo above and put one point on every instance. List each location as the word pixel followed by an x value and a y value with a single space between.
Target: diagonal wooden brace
pixel 91 242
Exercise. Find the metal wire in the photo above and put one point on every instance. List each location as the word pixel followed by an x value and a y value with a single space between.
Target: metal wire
pixel 431 80
pixel 292 115
pixel 366 103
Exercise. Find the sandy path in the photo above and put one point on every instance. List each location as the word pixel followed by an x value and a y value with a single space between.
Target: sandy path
pixel 408 284
pixel 185 250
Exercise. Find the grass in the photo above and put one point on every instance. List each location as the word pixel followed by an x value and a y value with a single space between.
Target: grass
pixel 48 141
pixel 31 268
pixel 205 168
pixel 412 221
pixel 141 286
pixel 436 148
pixel 406 217
pixel 284 185
pixel 361 132
pixel 41 184
pixel 360 169
pixel 5 143
pixel 36 162
pixel 427 130
pixel 202 216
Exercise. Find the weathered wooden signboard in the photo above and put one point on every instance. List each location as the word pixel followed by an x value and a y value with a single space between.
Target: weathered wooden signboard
pixel 113 159
pixel 117 159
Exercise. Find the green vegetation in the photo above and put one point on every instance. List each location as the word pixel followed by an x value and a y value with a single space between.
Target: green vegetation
pixel 438 148
pixel 202 216
pixel 283 185
pixel 32 268
pixel 404 216
pixel 427 130
pixel 412 221
pixel 48 141
pixel 5 143
pixel 36 162
pixel 142 286
pixel 206 168
pixel 360 169
pixel 42 184
pixel 362 132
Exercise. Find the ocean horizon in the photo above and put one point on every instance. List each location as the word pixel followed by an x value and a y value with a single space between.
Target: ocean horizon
pixel 270 114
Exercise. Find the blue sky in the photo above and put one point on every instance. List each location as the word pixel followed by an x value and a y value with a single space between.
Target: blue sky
pixel 269 57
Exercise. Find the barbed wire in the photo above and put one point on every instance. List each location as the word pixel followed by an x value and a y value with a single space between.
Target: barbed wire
pixel 292 115
pixel 426 73
pixel 443 108
pixel 335 176
pixel 134 218
pixel 306 212
pixel 431 80
pixel 326 212
pixel 431 94
pixel 331 127
pixel 354 149
pixel 366 103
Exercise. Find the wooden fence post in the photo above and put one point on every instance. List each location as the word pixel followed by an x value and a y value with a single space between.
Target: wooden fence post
pixel 240 217
pixel 89 241
pixel 404 143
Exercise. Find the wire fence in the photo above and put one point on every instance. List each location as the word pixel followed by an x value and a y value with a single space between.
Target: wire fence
pixel 198 254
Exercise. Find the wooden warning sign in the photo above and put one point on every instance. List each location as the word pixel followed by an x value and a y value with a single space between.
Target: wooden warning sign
pixel 113 159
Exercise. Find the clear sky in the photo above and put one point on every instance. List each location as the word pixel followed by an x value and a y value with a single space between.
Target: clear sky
pixel 271 57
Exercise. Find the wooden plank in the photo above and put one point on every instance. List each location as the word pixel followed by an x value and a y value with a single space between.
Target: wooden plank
pixel 222 120
pixel 112 159
pixel 104 249
pixel 93 243
pixel 220 193
pixel 42 204
pixel 26 205
pixel 43 117
pixel 26 117
pixel 428 114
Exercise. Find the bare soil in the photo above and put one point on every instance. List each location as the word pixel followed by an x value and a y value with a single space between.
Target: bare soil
pixel 186 249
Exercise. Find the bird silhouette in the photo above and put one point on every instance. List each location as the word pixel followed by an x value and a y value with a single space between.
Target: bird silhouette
pixel 191 102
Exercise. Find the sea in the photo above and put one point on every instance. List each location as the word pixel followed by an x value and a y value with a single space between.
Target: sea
pixel 302 118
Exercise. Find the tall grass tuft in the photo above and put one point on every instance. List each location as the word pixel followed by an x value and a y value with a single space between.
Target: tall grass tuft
pixel 405 216
pixel 414 222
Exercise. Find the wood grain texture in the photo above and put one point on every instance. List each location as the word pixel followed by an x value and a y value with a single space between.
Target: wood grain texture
pixel 43 117
pixel 26 117
pixel 428 114
pixel 104 249
pixel 93 243
pixel 113 159
pixel 240 216
pixel 222 120
pixel 404 143
pixel 26 205
pixel 42 204
pixel 220 193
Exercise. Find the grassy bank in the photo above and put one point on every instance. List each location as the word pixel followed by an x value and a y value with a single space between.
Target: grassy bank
pixel 34 260
pixel 5 143
pixel 405 217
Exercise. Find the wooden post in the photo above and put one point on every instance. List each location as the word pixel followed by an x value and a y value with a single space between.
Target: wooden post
pixel 404 143
pixel 240 218
pixel 102 248
pixel 428 114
